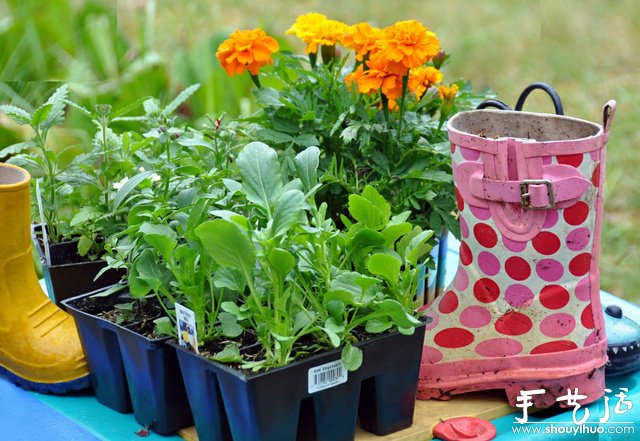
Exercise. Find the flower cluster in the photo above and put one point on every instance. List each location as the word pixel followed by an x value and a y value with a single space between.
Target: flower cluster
pixel 246 50
pixel 317 30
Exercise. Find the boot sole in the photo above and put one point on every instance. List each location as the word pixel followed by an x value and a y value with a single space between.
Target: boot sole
pixel 591 384
pixel 47 388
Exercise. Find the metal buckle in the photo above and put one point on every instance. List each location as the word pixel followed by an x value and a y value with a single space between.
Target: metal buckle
pixel 525 196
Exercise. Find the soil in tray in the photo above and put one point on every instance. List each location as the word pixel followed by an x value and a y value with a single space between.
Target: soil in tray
pixel 138 319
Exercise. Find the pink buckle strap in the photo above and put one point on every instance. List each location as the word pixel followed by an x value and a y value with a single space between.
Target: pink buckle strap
pixel 560 186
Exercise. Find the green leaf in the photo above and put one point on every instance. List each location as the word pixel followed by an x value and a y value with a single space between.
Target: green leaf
pixel 274 136
pixel 230 278
pixel 306 140
pixel 413 245
pixel 84 245
pixel 128 187
pixel 397 313
pixel 378 325
pixel 228 244
pixel 370 209
pixel 230 354
pixel 58 103
pixel 40 115
pixel 164 326
pixel 229 325
pixel 269 97
pixel 385 265
pixel 287 212
pixel 306 163
pixel 303 319
pixel 364 241
pixel 393 232
pixel 349 134
pixel 333 337
pixel 261 176
pixel 351 357
pixel 20 116
pixel 335 308
pixel 145 275
pixel 239 312
pixel 86 214
pixel 181 98
pixel 14 149
pixel 161 237
pixel 282 262
pixel 128 107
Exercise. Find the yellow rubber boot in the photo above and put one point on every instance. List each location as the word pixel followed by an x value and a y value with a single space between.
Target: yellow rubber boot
pixel 39 344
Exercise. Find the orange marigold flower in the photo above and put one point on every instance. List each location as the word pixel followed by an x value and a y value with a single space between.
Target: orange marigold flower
pixel 421 78
pixel 407 44
pixel 354 77
pixel 246 50
pixel 317 30
pixel 448 93
pixel 362 38
pixel 378 77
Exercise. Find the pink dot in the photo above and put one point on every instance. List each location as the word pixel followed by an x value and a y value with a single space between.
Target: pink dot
pixel 430 355
pixel 595 155
pixel 551 219
pixel 480 213
pixel 475 316
pixel 549 270
pixel 461 280
pixel 499 347
pixel 435 319
pixel 557 325
pixel 469 154
pixel 591 339
pixel 514 246
pixel 488 263
pixel 546 160
pixel 583 289
pixel 519 296
pixel 517 268
pixel 578 239
pixel 464 227
pixel 448 303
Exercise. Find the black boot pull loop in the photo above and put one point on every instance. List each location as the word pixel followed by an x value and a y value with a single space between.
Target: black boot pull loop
pixel 493 103
pixel 557 103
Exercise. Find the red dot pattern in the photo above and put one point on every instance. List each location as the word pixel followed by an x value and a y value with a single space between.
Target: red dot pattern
pixel 485 235
pixel 551 322
pixel 576 214
pixel 554 346
pixel 453 338
pixel 554 297
pixel 449 303
pixel 546 243
pixel 579 265
pixel 486 290
pixel 514 323
pixel 517 268
pixel 465 254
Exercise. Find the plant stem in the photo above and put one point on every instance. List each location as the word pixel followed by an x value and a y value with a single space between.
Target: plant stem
pixel 405 83
pixel 256 81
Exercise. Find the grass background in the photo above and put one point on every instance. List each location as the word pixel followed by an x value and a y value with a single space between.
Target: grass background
pixel 587 49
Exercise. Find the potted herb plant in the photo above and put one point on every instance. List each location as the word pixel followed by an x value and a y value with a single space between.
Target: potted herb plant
pixel 79 193
pixel 323 313
pixel 132 367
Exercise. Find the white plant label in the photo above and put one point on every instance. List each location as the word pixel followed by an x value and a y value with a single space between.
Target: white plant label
pixel 187 331
pixel 327 376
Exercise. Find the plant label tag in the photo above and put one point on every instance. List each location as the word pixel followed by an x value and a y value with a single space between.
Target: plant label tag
pixel 327 376
pixel 187 331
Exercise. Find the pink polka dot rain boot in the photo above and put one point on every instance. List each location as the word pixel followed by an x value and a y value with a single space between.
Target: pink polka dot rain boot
pixel 523 311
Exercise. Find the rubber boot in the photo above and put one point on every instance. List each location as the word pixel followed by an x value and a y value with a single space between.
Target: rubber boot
pixel 523 311
pixel 39 344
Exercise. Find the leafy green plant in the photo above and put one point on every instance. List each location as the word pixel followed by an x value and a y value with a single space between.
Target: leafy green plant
pixel 296 275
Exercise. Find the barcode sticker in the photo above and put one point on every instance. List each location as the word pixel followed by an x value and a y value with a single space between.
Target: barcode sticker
pixel 327 376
